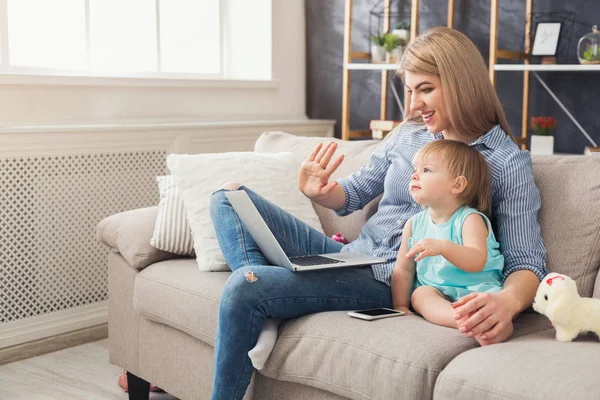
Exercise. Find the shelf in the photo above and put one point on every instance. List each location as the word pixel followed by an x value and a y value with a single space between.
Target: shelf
pixel 547 67
pixel 371 66
pixel 497 67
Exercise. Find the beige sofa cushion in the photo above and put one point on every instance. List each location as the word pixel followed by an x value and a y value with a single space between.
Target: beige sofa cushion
pixel 349 357
pixel 175 293
pixel 129 233
pixel 570 217
pixel 534 367
pixel 329 351
pixel 356 155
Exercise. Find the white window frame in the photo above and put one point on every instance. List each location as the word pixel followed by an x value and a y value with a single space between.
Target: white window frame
pixel 52 76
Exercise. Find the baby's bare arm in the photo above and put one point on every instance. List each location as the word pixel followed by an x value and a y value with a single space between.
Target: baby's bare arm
pixel 471 256
pixel 404 273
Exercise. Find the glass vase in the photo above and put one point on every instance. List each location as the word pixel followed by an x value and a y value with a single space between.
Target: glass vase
pixel 587 47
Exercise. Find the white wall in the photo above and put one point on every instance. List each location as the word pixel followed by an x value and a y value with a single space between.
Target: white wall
pixel 85 102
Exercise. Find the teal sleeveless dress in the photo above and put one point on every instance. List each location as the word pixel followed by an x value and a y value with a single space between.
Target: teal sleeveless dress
pixel 439 273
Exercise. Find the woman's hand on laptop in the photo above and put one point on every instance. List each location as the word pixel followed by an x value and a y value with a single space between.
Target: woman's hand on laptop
pixel 315 171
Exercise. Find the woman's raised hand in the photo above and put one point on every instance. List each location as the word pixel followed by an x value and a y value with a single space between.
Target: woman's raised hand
pixel 315 171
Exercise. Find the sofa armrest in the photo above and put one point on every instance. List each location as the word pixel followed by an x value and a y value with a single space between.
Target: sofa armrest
pixel 597 287
pixel 129 233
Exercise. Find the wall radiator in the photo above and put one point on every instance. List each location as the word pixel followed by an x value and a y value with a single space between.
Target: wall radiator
pixel 58 183
pixel 50 259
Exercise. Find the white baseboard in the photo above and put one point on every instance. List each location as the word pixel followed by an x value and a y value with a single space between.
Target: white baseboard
pixel 56 323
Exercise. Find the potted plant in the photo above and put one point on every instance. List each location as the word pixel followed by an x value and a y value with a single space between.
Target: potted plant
pixel 588 46
pixel 378 48
pixel 394 47
pixel 542 140
pixel 402 30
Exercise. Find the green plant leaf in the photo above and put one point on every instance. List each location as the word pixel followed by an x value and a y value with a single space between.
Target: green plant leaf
pixel 402 25
pixel 392 41
pixel 379 40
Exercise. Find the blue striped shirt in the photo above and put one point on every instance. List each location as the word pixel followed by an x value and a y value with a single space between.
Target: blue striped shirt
pixel 515 199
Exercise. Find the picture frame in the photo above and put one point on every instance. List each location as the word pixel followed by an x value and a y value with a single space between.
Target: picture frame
pixel 545 41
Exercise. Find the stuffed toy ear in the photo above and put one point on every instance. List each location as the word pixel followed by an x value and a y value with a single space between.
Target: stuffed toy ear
pixel 560 302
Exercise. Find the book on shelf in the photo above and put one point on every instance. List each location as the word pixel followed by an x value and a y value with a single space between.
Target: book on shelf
pixel 591 151
pixel 380 128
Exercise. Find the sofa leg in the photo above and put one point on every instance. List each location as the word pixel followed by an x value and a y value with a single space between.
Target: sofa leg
pixel 138 388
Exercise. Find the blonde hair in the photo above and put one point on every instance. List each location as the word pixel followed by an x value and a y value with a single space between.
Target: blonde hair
pixel 472 105
pixel 460 159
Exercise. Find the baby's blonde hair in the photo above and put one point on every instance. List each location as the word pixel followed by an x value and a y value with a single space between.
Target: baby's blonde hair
pixel 463 160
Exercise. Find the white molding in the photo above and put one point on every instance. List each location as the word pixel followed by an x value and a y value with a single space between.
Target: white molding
pixel 181 137
pixel 225 137
pixel 162 80
pixel 63 143
pixel 158 125
pixel 44 326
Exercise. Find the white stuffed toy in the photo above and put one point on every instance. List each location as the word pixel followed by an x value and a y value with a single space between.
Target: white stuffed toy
pixel 557 298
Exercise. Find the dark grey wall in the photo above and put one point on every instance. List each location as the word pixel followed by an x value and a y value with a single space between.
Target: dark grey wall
pixel 579 91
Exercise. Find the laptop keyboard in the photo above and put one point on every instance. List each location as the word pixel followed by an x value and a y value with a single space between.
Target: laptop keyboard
pixel 313 260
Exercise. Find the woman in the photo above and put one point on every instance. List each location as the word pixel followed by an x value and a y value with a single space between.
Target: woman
pixel 451 98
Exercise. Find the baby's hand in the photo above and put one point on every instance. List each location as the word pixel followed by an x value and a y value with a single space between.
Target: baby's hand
pixel 426 248
pixel 406 310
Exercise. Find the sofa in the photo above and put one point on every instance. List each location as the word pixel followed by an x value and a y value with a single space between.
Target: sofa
pixel 163 313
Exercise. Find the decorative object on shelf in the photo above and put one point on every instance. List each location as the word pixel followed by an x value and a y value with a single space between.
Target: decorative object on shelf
pixel 550 36
pixel 378 48
pixel 591 151
pixel 545 42
pixel 380 128
pixel 392 20
pixel 394 47
pixel 587 47
pixel 542 140
pixel 402 30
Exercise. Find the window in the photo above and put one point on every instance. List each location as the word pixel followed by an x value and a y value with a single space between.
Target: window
pixel 214 39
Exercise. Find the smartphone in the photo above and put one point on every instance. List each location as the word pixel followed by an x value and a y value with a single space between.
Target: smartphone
pixel 375 313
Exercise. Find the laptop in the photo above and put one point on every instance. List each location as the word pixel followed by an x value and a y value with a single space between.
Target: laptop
pixel 260 232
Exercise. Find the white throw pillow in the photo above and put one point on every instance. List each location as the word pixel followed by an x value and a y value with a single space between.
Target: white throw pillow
pixel 272 175
pixel 171 232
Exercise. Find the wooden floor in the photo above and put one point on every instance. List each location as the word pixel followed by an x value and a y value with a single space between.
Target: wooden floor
pixel 76 373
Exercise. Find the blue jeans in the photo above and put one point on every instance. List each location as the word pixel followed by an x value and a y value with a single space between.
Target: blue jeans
pixel 277 292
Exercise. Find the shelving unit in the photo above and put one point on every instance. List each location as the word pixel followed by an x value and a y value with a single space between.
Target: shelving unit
pixel 529 69
pixel 351 56
pixel 350 64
